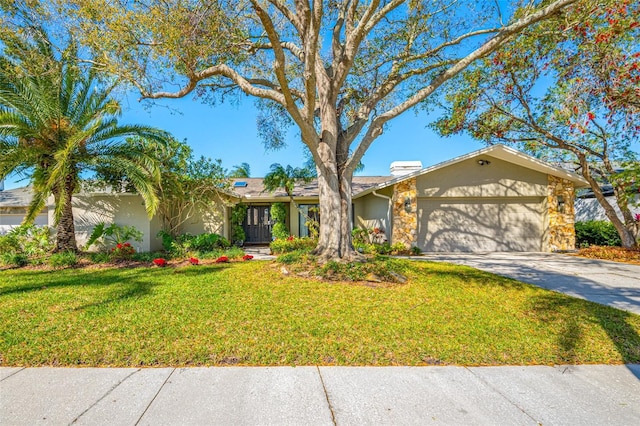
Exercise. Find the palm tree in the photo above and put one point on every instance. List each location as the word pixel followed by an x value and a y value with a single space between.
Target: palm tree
pixel 280 177
pixel 58 121
pixel 242 170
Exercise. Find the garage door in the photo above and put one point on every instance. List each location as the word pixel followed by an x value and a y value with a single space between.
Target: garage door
pixel 477 225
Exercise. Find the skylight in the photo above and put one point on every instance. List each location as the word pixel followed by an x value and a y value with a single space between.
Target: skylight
pixel 239 184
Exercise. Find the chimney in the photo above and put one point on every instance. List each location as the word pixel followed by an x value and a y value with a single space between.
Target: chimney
pixel 400 168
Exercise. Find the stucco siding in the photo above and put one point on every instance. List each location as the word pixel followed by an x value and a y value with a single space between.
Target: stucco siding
pixel 122 209
pixel 8 221
pixel 469 179
pixel 480 224
pixel 371 211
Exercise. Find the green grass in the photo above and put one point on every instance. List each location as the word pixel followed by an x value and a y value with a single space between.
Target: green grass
pixel 247 313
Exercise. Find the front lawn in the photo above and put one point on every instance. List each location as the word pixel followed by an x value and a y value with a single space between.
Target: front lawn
pixel 248 313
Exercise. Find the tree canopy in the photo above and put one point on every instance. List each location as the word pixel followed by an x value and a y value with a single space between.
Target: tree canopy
pixel 339 71
pixel 568 91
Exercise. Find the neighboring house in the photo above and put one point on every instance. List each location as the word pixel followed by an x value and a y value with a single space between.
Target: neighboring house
pixel 588 208
pixel 493 199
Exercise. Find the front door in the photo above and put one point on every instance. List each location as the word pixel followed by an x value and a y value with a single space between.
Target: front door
pixel 257 225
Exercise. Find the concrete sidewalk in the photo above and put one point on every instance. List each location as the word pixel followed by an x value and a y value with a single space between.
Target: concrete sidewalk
pixel 535 395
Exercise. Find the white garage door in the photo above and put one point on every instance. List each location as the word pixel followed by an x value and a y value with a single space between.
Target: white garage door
pixel 480 225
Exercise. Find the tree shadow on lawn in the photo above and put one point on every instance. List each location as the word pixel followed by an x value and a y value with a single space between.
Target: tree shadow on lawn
pixel 566 309
pixel 572 312
pixel 128 284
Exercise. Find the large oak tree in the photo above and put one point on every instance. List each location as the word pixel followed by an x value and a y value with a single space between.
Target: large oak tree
pixel 337 70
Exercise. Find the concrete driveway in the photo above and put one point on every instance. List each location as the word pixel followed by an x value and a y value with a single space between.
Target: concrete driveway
pixel 609 283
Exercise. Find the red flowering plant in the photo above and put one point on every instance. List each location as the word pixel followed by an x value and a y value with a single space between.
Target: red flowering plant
pixel 637 217
pixel 194 261
pixel 123 251
pixel 160 262
pixel 247 257
pixel 222 259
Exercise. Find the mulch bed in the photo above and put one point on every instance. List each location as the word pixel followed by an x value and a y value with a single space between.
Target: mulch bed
pixel 616 254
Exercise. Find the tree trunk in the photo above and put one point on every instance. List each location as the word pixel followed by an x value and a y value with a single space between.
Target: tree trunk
pixel 622 199
pixel 66 231
pixel 626 236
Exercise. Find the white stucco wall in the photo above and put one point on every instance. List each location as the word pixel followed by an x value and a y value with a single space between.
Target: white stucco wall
pixel 8 221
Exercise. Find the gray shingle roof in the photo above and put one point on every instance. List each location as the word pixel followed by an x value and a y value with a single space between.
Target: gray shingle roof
pixel 255 188
pixel 18 197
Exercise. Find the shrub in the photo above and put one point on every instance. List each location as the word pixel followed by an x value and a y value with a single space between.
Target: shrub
pixel 99 257
pixel 113 235
pixel 14 259
pixel 279 216
pixel 286 245
pixel 296 256
pixel 238 213
pixel 205 242
pixel 63 259
pixel 123 251
pixel 29 240
pixel 597 233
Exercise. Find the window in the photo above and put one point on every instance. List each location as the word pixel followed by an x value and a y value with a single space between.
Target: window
pixel 307 213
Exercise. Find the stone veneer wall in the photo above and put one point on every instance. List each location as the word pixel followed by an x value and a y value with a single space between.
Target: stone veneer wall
pixel 562 234
pixel 405 224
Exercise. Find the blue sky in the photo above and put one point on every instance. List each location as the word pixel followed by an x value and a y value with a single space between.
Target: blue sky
pixel 229 132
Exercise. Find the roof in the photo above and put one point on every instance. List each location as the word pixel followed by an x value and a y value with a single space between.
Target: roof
pixel 497 151
pixel 18 197
pixel 255 188
pixel 361 185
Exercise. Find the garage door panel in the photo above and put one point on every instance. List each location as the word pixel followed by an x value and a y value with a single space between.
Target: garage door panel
pixel 480 225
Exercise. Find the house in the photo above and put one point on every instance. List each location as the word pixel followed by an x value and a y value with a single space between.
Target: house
pixel 588 208
pixel 493 199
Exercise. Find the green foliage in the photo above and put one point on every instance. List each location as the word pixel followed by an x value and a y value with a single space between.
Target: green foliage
pixel 205 242
pixel 59 122
pixel 597 233
pixel 280 231
pixel 113 235
pixel 238 213
pixel 14 259
pixel 296 256
pixel 240 171
pixel 279 216
pixel 360 235
pixel 28 240
pixel 378 268
pixel 384 248
pixel 99 257
pixel 286 245
pixel 286 178
pixel 63 259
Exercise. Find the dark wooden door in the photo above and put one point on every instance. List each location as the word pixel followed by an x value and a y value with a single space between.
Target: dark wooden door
pixel 257 224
